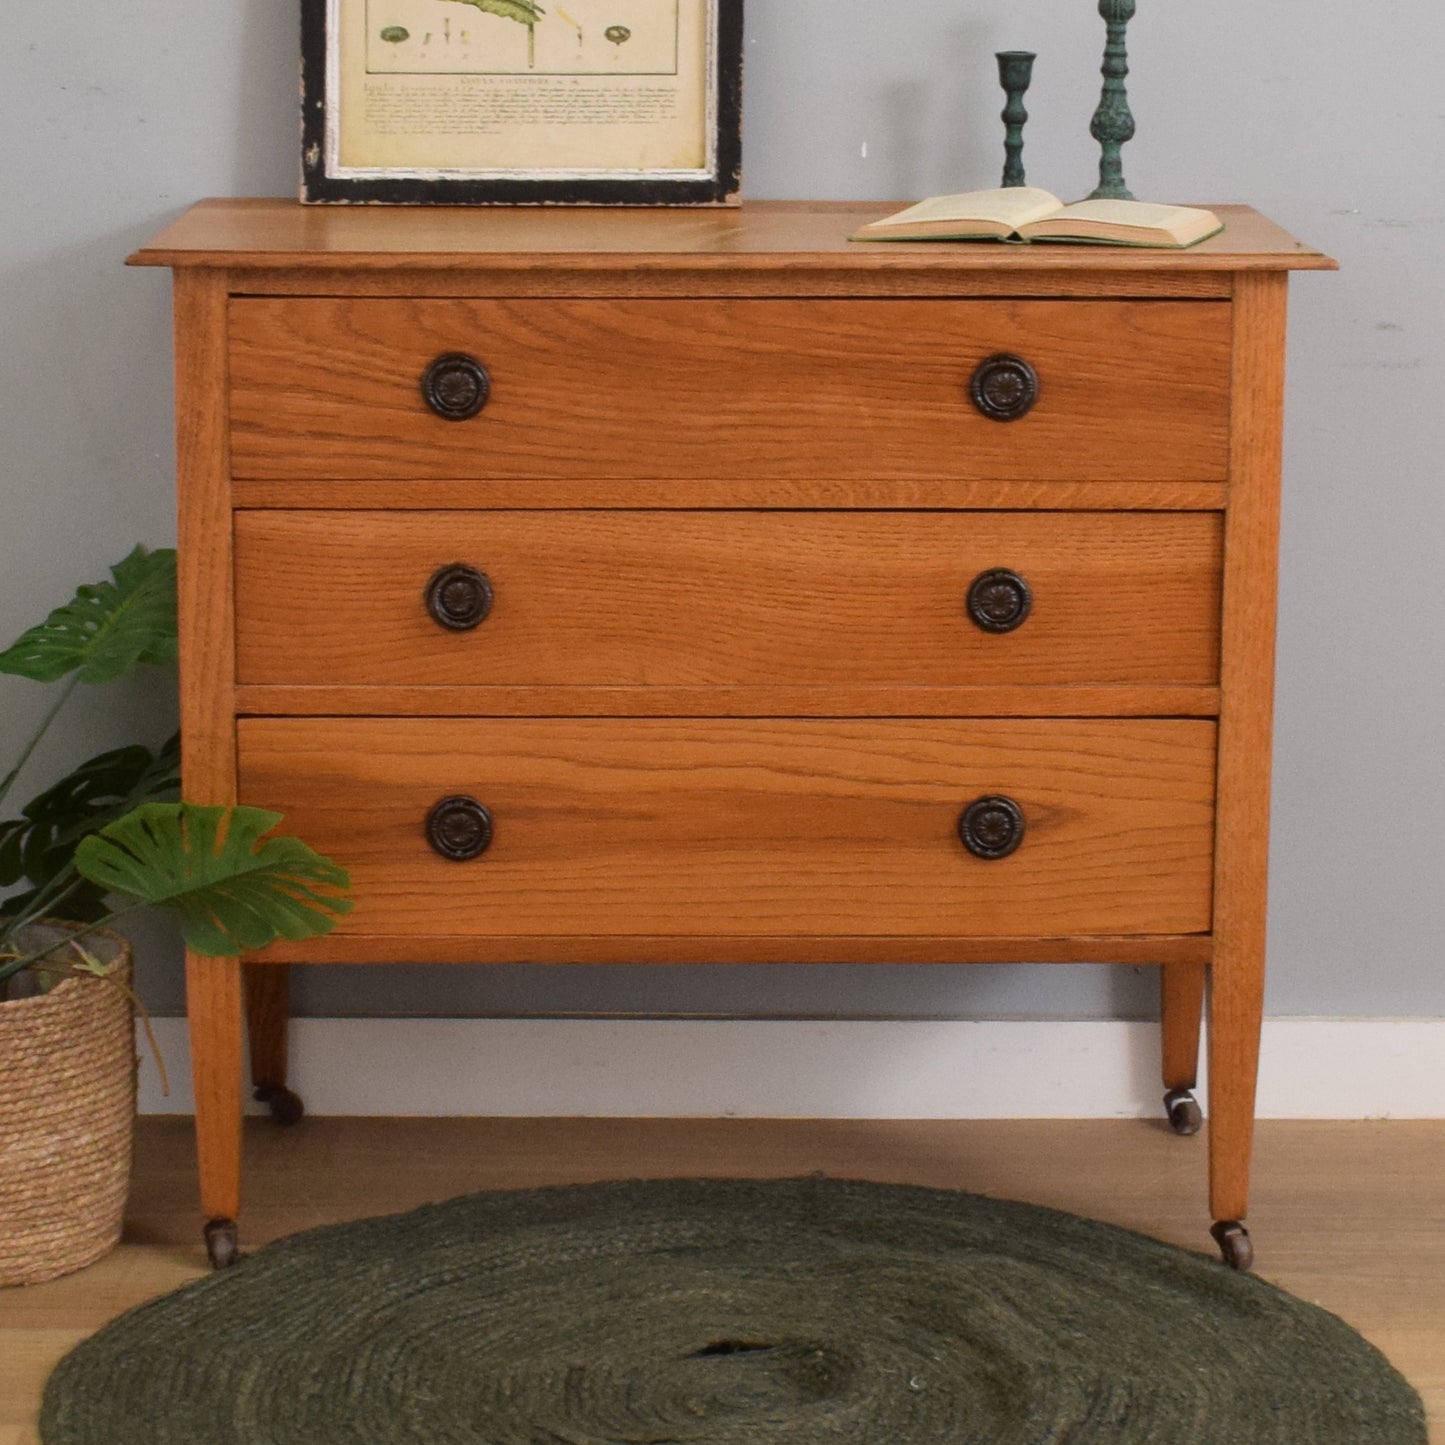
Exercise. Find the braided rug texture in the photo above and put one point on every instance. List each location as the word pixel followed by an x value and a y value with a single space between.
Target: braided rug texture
pixel 729 1312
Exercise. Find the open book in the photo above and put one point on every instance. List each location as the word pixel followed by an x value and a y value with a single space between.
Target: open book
pixel 1026 213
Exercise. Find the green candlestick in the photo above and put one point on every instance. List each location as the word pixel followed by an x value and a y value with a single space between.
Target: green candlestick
pixel 1113 124
pixel 1015 70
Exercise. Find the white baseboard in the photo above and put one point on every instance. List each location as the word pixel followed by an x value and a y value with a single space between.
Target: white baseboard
pixel 631 1068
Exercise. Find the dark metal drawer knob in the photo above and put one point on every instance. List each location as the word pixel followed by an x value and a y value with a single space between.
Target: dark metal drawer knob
pixel 991 827
pixel 999 600
pixel 458 597
pixel 459 828
pixel 1004 387
pixel 456 386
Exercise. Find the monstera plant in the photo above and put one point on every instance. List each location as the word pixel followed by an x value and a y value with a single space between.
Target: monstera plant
pixel 108 839
pixel 114 829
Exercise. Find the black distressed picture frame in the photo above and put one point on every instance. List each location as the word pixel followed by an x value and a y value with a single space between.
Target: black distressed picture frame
pixel 721 187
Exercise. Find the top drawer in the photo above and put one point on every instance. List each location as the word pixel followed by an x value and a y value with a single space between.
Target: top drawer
pixel 332 388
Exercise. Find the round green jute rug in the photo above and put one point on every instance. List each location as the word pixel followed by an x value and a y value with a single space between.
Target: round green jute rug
pixel 729 1312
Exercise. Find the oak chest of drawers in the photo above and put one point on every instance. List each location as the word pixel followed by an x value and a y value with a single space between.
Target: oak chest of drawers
pixel 677 586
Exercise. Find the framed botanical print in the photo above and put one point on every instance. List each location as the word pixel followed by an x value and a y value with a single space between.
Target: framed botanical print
pixel 587 102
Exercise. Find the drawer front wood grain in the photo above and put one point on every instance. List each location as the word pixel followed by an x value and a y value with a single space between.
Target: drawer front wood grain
pixel 725 827
pixel 726 389
pixel 784 599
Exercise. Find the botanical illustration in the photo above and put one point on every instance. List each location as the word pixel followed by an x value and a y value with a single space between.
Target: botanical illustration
pixel 525 12
pixel 520 37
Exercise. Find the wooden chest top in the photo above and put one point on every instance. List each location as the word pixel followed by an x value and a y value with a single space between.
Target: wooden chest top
pixel 804 240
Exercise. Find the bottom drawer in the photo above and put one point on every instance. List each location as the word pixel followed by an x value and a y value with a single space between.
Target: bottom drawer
pixel 690 827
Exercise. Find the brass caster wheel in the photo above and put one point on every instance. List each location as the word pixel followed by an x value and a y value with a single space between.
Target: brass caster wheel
pixel 1234 1244
pixel 1183 1110
pixel 286 1108
pixel 222 1243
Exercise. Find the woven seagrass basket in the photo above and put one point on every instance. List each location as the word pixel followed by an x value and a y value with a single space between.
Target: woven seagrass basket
pixel 67 1115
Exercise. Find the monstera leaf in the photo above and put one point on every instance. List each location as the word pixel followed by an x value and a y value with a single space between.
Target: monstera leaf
pixel 231 889
pixel 39 846
pixel 526 12
pixel 107 627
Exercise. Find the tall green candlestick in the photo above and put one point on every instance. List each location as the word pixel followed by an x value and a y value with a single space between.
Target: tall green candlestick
pixel 1015 70
pixel 1113 124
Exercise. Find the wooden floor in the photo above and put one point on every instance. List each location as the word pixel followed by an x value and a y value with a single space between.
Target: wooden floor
pixel 1349 1215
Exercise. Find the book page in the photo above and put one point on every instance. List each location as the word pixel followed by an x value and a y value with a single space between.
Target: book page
pixel 1130 213
pixel 479 88
pixel 1010 206
pixel 1126 223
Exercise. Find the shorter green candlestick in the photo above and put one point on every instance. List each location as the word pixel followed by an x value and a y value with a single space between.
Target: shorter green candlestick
pixel 1015 71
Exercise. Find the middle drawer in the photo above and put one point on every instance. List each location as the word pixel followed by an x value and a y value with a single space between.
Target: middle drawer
pixel 658 598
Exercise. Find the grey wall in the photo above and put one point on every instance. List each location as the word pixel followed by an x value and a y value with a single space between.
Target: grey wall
pixel 117 117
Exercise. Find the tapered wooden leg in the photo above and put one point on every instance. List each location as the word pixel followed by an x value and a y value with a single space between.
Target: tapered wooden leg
pixel 1181 1011
pixel 268 1012
pixel 1236 1008
pixel 213 1006
pixel 268 1016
